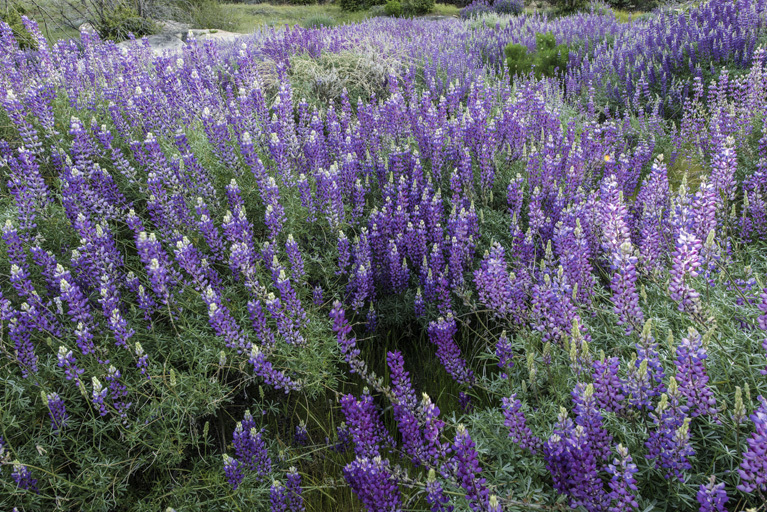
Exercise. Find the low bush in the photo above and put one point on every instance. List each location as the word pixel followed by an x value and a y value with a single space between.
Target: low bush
pixel 393 8
pixel 548 59
pixel 483 7
pixel 324 79
pixel 12 16
pixel 475 9
pixel 122 21
pixel 208 14
pixel 417 7
pixel 509 6
pixel 358 5
pixel 377 10
pixel 569 6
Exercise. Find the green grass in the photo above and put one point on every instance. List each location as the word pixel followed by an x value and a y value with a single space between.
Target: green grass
pixel 445 10
pixel 626 16
pixel 246 18
pixel 237 17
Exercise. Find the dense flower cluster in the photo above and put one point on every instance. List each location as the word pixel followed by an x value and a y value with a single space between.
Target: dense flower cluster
pixel 181 233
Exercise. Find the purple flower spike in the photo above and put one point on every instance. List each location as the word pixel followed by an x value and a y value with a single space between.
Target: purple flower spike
pixel 56 410
pixel 669 442
pixel 295 499
pixel 493 282
pixel 441 334
pixel 69 363
pixel 367 429
pixel 753 469
pixel 23 477
pixel 504 354
pixel 99 395
pixel 692 377
pixel 251 451
pixel 435 495
pixel 277 497
pixel 712 496
pixel 465 468
pixel 373 483
pixel 620 253
pixel 233 471
pixel 607 384
pixel 515 420
pixel 623 486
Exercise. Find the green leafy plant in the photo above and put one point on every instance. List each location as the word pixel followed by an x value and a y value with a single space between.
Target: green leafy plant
pixel 319 20
pixel 122 21
pixel 548 59
pixel 393 8
pixel 12 16
pixel 569 6
pixel 417 7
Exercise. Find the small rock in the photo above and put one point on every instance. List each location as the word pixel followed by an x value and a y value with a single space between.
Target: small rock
pixel 173 26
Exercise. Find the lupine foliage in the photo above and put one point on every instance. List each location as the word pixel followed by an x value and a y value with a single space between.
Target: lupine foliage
pixel 460 294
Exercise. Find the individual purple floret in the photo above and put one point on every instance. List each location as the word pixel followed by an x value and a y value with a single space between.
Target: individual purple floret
pixel 622 484
pixel 753 469
pixel 712 496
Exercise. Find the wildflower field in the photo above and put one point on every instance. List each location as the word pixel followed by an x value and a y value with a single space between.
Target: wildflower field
pixel 368 267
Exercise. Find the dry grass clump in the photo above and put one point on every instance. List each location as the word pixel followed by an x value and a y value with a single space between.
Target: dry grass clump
pixel 360 72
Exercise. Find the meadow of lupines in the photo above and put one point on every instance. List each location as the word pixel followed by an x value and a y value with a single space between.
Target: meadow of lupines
pixel 468 293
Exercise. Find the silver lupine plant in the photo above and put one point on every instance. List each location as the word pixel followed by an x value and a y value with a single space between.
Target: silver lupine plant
pixel 185 238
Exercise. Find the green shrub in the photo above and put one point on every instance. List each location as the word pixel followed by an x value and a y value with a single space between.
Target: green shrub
pixel 12 16
pixel 318 20
pixel 208 14
pixel 569 6
pixel 548 59
pixel 352 5
pixel 634 5
pixel 417 7
pixel 517 59
pixel 122 21
pixel 377 10
pixel 393 8
pixel 303 2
